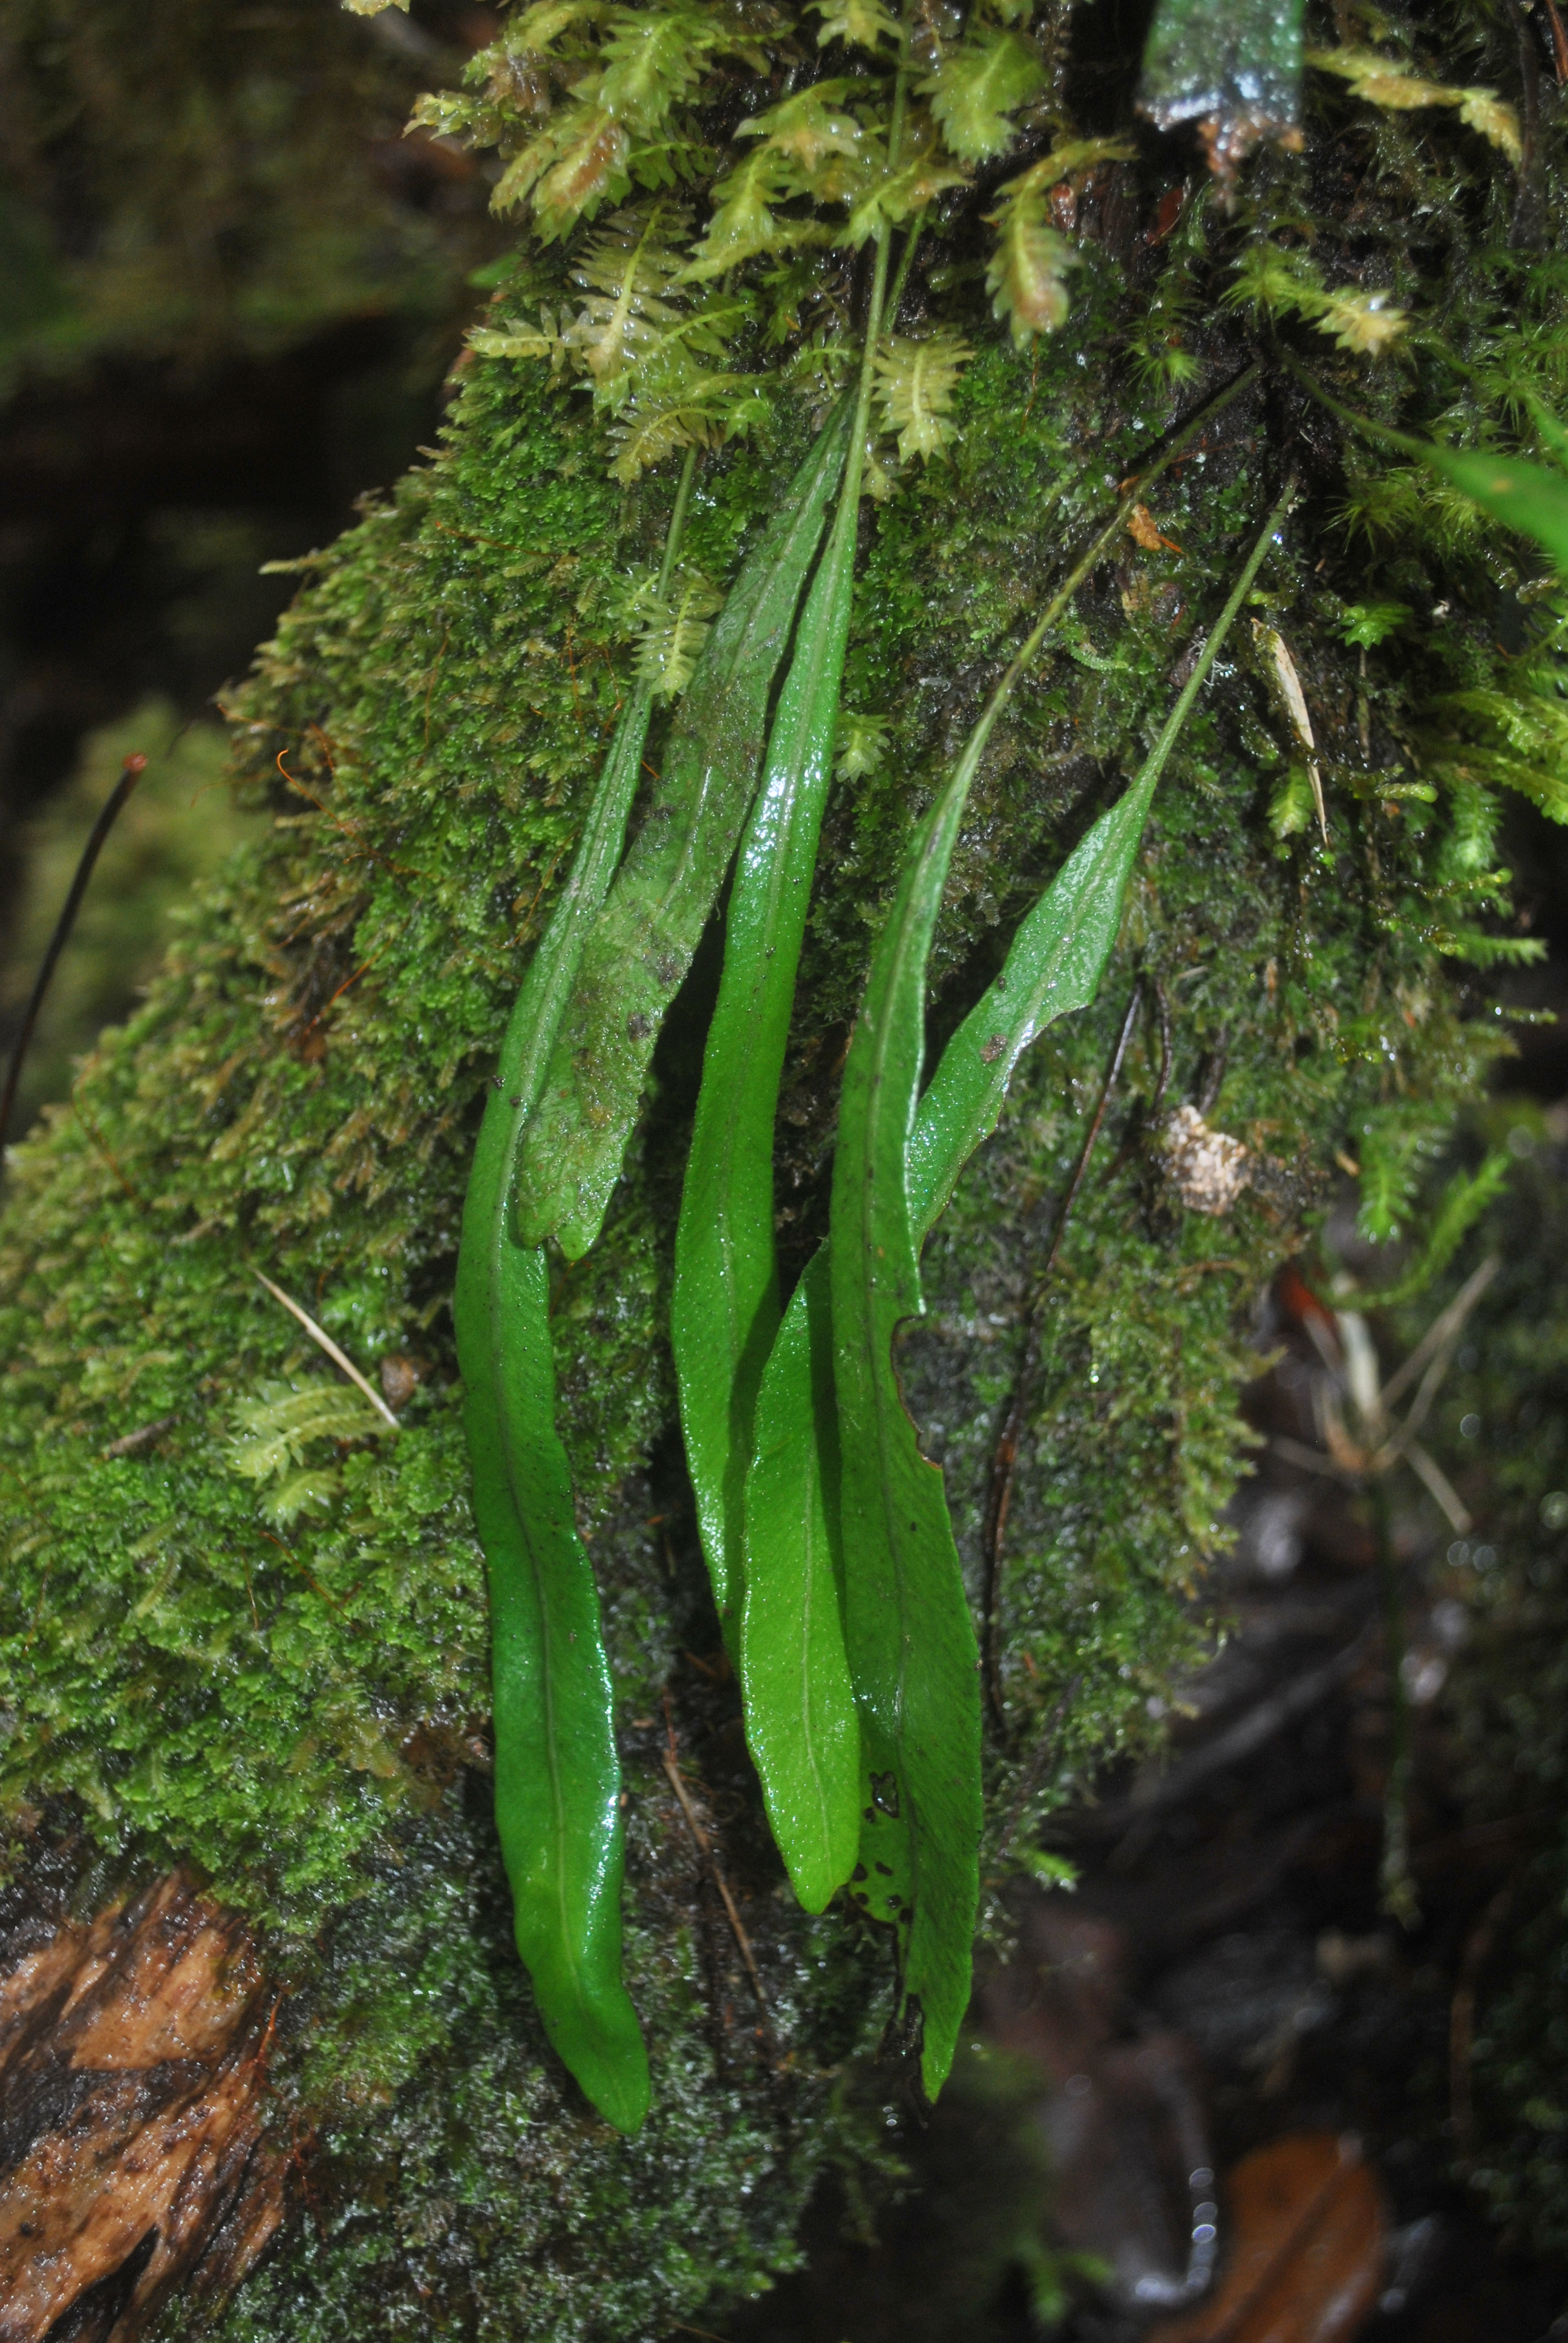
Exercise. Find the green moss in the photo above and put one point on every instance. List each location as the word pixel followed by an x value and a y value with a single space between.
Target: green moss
pixel 302 1709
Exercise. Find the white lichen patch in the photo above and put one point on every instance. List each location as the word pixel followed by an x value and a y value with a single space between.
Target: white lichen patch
pixel 1208 1169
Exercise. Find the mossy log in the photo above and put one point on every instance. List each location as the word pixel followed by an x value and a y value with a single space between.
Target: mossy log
pixel 282 1681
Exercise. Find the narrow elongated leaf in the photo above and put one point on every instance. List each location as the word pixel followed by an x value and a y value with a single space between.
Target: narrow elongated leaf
pixel 1530 498
pixel 642 942
pixel 1526 498
pixel 726 1304
pixel 801 1726
pixel 910 1640
pixel 794 1567
pixel 558 1777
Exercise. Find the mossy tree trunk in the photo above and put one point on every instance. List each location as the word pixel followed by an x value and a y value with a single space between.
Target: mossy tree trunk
pixel 284 1679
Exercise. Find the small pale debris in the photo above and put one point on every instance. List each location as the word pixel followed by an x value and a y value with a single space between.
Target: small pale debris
pixel 1288 684
pixel 1208 1168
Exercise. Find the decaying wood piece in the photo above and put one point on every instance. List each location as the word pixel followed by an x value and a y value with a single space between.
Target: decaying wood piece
pixel 133 2158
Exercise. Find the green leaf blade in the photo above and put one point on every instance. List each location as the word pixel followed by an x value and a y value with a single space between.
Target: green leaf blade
pixel 641 945
pixel 1525 497
pixel 801 1726
pixel 726 1304
pixel 557 1774
pixel 911 1645
pixel 1054 967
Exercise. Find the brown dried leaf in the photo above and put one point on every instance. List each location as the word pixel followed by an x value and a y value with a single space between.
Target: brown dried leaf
pixel 1307 2222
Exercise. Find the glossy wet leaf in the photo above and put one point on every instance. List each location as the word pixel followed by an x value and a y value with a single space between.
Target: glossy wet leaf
pixel 558 1776
pixel 726 1304
pixel 1519 496
pixel 801 1726
pixel 639 948
pixel 792 1668
pixel 1233 66
pixel 913 1659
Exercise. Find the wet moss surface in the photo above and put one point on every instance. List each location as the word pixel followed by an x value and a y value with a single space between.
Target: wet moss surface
pixel 296 1700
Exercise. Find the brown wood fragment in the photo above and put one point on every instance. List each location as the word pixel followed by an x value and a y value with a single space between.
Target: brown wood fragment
pixel 1307 2227
pixel 133 2159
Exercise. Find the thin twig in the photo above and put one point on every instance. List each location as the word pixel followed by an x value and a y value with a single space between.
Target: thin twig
pixel 1441 1488
pixel 705 1848
pixel 1004 1457
pixel 1447 1322
pixel 319 1335
pixel 1397 1896
pixel 131 1441
pixel 131 772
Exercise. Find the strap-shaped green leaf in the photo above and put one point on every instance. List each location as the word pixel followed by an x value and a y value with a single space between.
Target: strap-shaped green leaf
pixel 558 1777
pixel 642 944
pixel 801 1726
pixel 726 1305
pixel 795 1678
pixel 913 1659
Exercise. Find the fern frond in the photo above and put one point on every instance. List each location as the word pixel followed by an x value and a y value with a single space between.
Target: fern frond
pixel 743 223
pixel 655 58
pixel 518 338
pixel 1284 283
pixel 888 196
pixel 915 384
pixel 808 128
pixel 279 1423
pixel 1386 83
pixel 858 24
pixel 979 85
pixel 862 743
pixel 1027 276
pixel 675 628
pixel 626 272
pixel 696 410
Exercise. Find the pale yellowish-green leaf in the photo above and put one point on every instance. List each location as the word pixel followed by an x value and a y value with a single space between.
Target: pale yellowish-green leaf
pixel 675 627
pixel 1027 277
pixel 516 337
pixel 1366 323
pixel 694 410
pixel 915 378
pixel 1384 83
pixel 313 1489
pixel 810 126
pixel 1290 809
pixel 979 85
pixel 1484 110
pixel 858 23
pixel 277 1426
pixel 373 7
pixel 743 222
pixel 594 148
pixel 889 197
pixel 627 272
pixel 540 27
pixel 862 743
pixel 653 60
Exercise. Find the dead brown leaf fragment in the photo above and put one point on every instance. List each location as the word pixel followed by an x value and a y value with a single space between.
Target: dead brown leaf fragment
pixel 1307 2227
pixel 1144 530
pixel 132 2074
